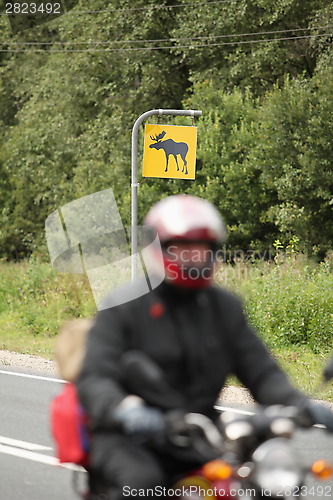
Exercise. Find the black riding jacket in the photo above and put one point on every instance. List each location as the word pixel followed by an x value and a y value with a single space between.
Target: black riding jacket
pixel 198 338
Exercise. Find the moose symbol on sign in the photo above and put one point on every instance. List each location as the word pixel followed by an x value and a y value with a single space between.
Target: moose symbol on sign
pixel 171 147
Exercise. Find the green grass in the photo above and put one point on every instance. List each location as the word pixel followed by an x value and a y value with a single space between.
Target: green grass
pixel 289 302
pixel 35 301
pixel 304 369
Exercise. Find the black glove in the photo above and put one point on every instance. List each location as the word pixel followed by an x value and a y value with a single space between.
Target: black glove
pixel 320 414
pixel 141 421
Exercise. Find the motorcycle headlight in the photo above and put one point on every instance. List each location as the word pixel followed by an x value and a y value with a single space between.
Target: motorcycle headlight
pixel 276 466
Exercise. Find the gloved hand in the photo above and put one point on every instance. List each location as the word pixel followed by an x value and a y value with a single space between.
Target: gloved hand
pixel 320 414
pixel 140 420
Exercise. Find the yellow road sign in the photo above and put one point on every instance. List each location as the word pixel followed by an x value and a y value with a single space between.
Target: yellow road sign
pixel 169 151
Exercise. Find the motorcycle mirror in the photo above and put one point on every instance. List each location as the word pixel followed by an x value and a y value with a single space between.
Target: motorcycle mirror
pixel 146 379
pixel 328 370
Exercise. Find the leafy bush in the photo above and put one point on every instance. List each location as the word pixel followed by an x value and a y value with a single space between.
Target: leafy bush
pixel 35 301
pixel 288 302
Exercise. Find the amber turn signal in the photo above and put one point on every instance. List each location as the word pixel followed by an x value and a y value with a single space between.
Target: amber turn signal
pixel 322 469
pixel 217 469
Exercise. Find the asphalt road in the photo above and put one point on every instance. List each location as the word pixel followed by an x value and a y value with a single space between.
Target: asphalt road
pixel 27 464
pixel 28 469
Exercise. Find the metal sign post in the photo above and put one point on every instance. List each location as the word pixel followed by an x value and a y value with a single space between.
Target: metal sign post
pixel 134 181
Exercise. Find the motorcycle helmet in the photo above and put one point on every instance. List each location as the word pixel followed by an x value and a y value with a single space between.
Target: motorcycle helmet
pixel 191 226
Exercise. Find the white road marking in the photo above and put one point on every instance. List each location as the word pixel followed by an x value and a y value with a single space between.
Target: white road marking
pixel 244 412
pixel 36 457
pixel 233 410
pixel 23 444
pixel 37 377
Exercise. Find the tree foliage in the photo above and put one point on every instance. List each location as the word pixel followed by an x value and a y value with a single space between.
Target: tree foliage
pixel 68 103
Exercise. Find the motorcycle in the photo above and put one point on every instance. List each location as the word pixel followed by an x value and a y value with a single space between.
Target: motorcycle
pixel 265 463
pixel 259 448
pixel 254 453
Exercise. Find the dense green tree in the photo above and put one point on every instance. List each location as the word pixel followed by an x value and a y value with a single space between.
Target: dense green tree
pixel 70 91
pixel 219 52
pixel 71 112
pixel 227 174
pixel 296 160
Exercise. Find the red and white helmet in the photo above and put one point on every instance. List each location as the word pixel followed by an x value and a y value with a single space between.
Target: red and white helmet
pixel 186 219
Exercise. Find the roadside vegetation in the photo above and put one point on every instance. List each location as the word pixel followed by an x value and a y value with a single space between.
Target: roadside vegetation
pixel 287 300
pixel 261 72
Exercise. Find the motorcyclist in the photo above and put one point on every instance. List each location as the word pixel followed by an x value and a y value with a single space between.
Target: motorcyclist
pixel 195 331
